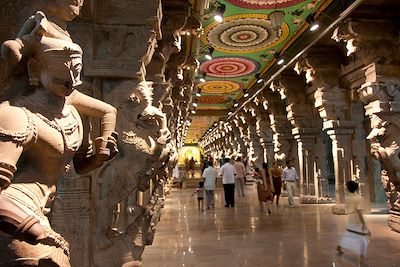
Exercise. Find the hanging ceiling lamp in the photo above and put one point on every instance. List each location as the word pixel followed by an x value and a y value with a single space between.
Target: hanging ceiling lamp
pixel 219 13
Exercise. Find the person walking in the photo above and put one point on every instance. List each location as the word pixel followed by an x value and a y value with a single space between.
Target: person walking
pixel 275 172
pixel 268 185
pixel 227 172
pixel 204 165
pixel 356 238
pixel 264 189
pixel 290 178
pixel 240 176
pixel 210 176
pixel 192 162
pixel 200 195
pixel 182 178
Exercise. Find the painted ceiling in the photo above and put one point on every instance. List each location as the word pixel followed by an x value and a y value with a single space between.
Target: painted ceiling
pixel 247 42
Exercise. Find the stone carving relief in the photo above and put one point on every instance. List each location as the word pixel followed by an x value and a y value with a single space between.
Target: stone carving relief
pixel 52 128
pixel 144 137
pixel 346 34
pixel 381 100
pixel 370 41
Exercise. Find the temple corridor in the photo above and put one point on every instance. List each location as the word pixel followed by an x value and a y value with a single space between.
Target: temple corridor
pixel 304 236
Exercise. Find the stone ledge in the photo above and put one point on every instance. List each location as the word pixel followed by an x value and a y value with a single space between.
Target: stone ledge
pixel 307 199
pixel 394 220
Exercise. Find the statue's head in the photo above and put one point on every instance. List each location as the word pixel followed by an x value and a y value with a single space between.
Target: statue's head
pixel 66 10
pixel 56 64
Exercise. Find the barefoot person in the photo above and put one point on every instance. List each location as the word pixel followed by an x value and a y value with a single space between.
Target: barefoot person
pixel 356 238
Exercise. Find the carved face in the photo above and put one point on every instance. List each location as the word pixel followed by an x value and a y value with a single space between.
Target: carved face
pixel 69 9
pixel 60 75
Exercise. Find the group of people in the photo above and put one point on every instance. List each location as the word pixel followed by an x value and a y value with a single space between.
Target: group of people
pixel 233 175
pixel 269 183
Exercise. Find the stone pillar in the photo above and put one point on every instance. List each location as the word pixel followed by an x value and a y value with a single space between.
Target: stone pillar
pixel 263 130
pixel 382 99
pixel 251 120
pixel 342 158
pixel 374 69
pixel 281 128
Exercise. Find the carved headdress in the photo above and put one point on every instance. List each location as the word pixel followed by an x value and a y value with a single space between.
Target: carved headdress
pixel 35 47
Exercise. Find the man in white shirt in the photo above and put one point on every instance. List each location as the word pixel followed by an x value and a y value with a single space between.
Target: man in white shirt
pixel 240 176
pixel 228 172
pixel 290 178
pixel 209 176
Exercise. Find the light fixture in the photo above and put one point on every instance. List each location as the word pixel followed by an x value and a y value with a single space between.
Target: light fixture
pixel 279 60
pixel 276 19
pixel 193 111
pixel 258 77
pixel 192 25
pixel 208 55
pixel 219 13
pixel 229 113
pixel 246 95
pixel 194 104
pixel 203 77
pixel 314 25
pixel 198 94
pixel 236 104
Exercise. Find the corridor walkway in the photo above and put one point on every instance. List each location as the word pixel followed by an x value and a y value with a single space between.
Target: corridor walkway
pixel 304 236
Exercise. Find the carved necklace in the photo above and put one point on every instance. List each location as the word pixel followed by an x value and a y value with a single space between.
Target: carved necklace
pixel 58 28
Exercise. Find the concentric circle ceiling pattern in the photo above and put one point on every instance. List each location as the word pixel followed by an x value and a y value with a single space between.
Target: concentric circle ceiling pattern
pixel 245 42
pixel 229 67
pixel 244 33
pixel 219 87
pixel 263 4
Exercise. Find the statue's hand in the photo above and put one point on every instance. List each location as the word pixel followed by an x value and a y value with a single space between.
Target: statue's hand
pixel 106 149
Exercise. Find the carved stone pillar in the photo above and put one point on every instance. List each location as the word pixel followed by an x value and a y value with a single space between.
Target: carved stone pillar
pixel 341 142
pixel 383 108
pixel 250 117
pixel 374 69
pixel 244 135
pixel 306 129
pixel 263 129
pixel 281 128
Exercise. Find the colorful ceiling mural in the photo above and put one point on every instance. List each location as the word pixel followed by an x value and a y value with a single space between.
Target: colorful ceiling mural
pixel 252 35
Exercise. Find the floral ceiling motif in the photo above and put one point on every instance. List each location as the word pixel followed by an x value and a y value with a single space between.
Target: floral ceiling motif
pixel 244 44
pixel 264 4
pixel 219 87
pixel 244 33
pixel 228 67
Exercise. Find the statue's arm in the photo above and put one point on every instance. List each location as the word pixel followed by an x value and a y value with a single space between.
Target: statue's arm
pixel 92 107
pixel 106 144
pixel 16 131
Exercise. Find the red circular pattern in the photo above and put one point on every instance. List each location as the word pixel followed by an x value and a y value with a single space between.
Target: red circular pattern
pixel 264 4
pixel 244 36
pixel 211 100
pixel 228 67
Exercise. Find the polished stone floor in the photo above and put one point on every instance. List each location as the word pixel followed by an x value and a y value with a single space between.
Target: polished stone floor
pixel 304 236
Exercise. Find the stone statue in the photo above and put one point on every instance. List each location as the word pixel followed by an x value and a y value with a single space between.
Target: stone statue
pixel 44 134
pixel 144 149
pixel 37 27
pixel 385 147
pixel 41 138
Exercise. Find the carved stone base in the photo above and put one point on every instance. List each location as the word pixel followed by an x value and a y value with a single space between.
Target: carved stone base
pixel 308 199
pixel 339 209
pixel 394 220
